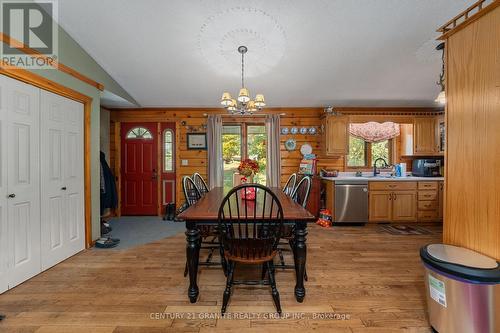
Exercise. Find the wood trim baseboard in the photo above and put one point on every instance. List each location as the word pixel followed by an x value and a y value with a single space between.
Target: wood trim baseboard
pixel 57 65
pixel 43 83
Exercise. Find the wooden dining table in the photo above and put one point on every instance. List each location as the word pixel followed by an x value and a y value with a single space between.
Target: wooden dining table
pixel 205 212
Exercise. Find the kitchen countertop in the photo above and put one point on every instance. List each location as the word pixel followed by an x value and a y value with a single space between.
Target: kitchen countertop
pixel 383 178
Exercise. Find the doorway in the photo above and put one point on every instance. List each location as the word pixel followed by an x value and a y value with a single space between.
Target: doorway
pixel 139 171
pixel 242 141
pixel 147 168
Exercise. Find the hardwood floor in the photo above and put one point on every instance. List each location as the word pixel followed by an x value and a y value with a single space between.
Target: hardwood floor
pixel 373 279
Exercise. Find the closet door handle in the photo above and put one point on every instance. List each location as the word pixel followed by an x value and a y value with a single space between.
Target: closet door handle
pixel 64 188
pixel 12 195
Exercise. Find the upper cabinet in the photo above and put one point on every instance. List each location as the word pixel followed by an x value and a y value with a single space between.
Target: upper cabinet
pixel 426 136
pixel 335 135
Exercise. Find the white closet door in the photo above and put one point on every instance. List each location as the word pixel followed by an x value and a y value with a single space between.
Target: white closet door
pixel 62 178
pixel 4 250
pixel 74 177
pixel 23 172
pixel 52 177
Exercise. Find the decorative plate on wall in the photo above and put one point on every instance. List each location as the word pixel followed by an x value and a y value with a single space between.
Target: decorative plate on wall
pixel 284 130
pixel 306 149
pixel 290 144
pixel 294 130
pixel 303 130
pixel 312 130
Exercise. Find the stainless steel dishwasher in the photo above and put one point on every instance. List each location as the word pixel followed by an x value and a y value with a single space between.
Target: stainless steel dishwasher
pixel 351 201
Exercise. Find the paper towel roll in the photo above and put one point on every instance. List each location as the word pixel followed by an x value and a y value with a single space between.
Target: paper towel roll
pixel 403 169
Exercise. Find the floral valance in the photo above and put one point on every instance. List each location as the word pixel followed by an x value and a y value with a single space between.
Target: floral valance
pixel 375 132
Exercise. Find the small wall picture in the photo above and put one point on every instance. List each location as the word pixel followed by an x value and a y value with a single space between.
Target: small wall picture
pixel 197 141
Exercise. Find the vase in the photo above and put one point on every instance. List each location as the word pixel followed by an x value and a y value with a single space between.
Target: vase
pixel 238 179
pixel 249 194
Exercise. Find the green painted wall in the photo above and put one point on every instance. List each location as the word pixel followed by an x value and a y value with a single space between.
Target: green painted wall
pixel 72 55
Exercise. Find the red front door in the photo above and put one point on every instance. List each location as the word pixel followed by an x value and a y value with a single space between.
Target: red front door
pixel 139 163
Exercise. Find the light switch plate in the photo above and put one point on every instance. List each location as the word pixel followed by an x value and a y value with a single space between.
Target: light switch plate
pixel 184 162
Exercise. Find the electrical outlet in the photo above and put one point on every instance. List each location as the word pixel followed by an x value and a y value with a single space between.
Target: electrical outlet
pixel 184 162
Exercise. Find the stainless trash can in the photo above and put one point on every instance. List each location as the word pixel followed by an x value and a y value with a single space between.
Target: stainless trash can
pixel 462 288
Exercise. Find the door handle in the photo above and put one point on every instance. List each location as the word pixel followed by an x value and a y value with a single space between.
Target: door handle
pixel 394 196
pixel 12 195
pixel 155 175
pixel 64 188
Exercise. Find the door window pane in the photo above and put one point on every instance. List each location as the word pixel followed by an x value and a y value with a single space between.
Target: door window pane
pixel 231 152
pixel 139 133
pixel 256 150
pixel 168 150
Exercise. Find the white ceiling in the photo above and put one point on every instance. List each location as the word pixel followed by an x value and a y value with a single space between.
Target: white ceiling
pixel 301 52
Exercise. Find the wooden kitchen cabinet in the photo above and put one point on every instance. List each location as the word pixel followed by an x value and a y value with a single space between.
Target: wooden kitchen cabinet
pixel 404 206
pixel 380 206
pixel 392 201
pixel 429 201
pixel 335 135
pixel 425 136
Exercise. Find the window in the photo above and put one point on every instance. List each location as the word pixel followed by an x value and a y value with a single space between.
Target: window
pixel 240 141
pixel 168 150
pixel 139 133
pixel 362 154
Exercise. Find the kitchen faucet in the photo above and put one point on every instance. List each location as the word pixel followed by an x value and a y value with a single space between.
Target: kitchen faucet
pixel 375 171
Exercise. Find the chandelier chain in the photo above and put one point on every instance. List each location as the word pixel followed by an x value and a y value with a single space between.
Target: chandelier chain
pixel 242 70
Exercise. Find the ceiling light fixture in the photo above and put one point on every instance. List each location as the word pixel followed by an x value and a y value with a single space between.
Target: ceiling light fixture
pixel 441 98
pixel 243 104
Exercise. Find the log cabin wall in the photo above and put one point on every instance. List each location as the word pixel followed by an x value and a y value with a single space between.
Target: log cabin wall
pixel 472 186
pixel 192 120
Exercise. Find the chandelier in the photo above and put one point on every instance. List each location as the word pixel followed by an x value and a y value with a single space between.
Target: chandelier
pixel 243 104
pixel 441 98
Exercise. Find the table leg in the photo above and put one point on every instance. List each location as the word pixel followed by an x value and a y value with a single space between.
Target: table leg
pixel 193 256
pixel 300 253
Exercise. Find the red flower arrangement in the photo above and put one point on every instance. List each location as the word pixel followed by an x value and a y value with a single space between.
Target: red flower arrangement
pixel 248 167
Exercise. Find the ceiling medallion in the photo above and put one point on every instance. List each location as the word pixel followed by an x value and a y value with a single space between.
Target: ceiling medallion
pixel 243 104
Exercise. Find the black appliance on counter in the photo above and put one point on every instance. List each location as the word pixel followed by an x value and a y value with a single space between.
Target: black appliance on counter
pixel 427 167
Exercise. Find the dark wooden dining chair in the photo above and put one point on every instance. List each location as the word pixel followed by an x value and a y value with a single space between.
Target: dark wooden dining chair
pixel 290 184
pixel 250 231
pixel 208 234
pixel 191 192
pixel 300 195
pixel 301 192
pixel 200 183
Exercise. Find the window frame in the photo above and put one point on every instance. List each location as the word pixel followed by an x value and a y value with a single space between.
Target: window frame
pixel 243 124
pixel 163 137
pixel 131 131
pixel 368 156
pixel 243 134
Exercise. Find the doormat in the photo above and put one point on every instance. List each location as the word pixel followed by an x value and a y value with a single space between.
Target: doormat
pixel 403 230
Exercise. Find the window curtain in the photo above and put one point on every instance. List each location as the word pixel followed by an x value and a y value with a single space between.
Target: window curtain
pixel 214 140
pixel 374 132
pixel 273 168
